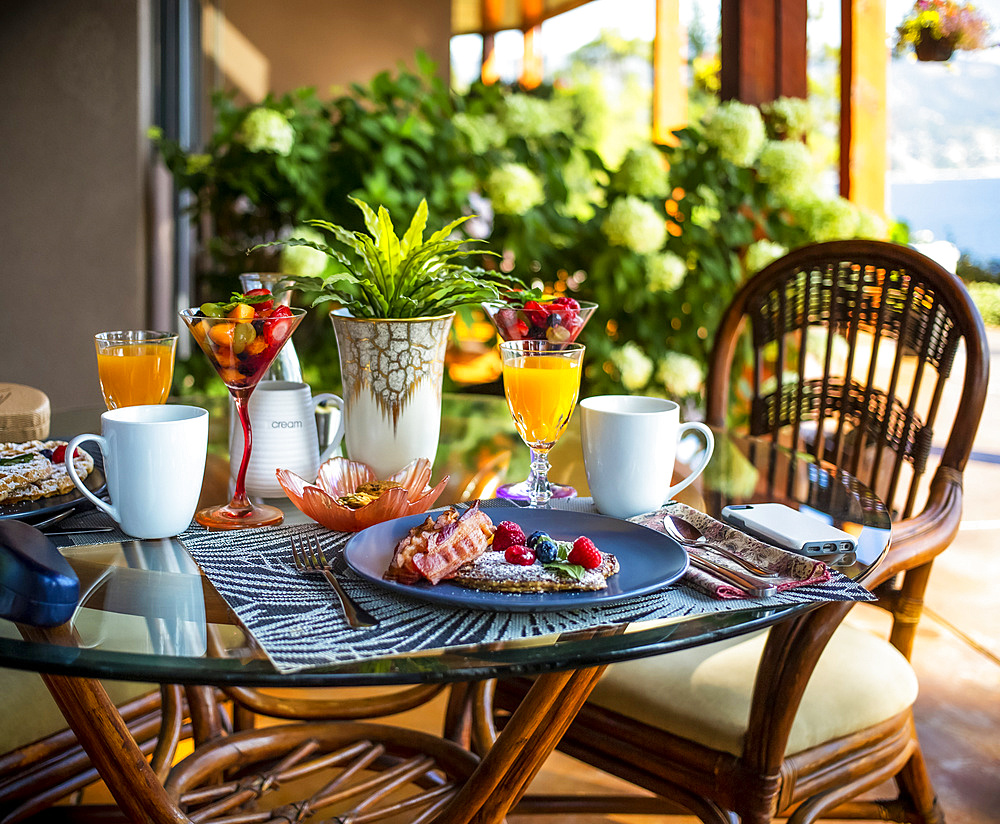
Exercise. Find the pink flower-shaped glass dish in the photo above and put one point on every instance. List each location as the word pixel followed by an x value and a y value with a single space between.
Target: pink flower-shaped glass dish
pixel 339 476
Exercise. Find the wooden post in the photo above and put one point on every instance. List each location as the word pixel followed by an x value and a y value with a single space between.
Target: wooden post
pixel 763 50
pixel 863 123
pixel 490 14
pixel 531 66
pixel 670 110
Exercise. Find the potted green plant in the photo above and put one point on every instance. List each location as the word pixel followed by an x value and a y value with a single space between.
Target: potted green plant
pixel 395 300
pixel 935 28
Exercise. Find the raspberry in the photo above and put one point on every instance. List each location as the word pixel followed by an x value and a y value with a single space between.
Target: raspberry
pixel 507 534
pixel 520 555
pixel 585 553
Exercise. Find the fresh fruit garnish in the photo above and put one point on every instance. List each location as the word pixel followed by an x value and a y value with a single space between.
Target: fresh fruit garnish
pixel 585 553
pixel 519 554
pixel 507 534
pixel 59 454
pixel 263 305
pixel 535 537
pixel 256 299
pixel 546 551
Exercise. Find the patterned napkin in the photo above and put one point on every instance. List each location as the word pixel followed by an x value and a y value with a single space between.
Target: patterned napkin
pixel 793 570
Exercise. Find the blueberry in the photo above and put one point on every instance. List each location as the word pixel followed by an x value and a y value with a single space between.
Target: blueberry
pixel 546 551
pixel 535 537
pixel 555 319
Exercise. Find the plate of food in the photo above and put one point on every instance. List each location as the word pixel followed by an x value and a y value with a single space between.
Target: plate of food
pixel 449 557
pixel 34 482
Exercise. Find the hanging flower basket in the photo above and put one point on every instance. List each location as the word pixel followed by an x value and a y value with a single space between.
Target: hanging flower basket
pixel 934 29
pixel 930 49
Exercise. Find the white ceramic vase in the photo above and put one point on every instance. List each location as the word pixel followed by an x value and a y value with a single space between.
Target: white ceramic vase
pixel 392 372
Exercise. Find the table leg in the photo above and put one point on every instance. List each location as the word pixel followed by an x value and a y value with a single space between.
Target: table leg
pixel 522 747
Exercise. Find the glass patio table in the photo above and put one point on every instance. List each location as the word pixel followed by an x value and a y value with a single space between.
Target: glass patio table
pixel 156 584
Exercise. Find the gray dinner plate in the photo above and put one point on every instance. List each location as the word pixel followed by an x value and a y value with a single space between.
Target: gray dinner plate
pixel 649 561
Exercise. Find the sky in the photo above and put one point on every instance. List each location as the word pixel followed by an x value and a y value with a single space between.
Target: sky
pixel 567 32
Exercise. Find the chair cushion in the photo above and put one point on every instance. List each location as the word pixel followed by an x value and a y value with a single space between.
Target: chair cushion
pixel 703 694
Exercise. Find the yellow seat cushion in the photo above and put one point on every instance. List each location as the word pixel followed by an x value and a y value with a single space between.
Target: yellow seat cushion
pixel 703 694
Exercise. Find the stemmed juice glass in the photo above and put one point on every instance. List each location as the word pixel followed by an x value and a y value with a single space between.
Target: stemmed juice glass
pixel 557 321
pixel 241 350
pixel 541 381
pixel 135 367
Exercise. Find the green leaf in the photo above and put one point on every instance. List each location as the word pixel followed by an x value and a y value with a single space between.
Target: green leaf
pixel 574 571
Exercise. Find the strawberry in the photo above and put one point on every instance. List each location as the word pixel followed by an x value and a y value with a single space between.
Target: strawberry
pixel 520 555
pixel 260 306
pixel 507 534
pixel 276 330
pixel 585 553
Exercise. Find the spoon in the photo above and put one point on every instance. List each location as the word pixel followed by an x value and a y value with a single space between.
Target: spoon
pixel 686 533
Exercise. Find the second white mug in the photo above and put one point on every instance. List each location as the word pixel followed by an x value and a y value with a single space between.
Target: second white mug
pixel 629 447
pixel 283 429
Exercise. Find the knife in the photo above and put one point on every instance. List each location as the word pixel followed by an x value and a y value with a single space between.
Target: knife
pixel 755 587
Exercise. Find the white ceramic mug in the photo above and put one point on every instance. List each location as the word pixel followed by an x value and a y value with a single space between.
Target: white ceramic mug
pixel 629 447
pixel 283 429
pixel 154 460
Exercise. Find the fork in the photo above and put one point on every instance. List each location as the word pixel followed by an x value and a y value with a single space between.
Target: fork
pixel 308 557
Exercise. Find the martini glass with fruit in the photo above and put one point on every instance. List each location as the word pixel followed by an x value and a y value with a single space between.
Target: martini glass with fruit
pixel 556 320
pixel 241 337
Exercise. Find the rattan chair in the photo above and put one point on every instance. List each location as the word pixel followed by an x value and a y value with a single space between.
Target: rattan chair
pixel 849 349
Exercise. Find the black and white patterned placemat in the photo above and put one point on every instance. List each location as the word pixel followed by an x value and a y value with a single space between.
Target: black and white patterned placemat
pixel 297 621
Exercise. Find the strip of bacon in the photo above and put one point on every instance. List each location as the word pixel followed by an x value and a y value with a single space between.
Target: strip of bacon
pixel 436 550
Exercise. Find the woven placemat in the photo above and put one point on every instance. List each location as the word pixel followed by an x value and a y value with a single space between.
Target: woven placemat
pixel 298 623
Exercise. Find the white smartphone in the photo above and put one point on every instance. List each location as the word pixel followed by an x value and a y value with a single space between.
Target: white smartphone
pixel 790 529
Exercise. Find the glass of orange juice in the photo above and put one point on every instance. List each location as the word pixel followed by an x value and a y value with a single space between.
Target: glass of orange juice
pixel 135 367
pixel 541 381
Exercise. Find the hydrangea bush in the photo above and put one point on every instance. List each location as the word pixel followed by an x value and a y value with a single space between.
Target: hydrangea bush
pixel 660 239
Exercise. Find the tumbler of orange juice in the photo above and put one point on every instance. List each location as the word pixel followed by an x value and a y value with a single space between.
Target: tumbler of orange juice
pixel 135 367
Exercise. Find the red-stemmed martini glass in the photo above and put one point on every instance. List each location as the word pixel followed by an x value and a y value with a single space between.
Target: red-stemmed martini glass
pixel 241 349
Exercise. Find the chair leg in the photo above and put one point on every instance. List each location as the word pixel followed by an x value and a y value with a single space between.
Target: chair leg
pixel 915 784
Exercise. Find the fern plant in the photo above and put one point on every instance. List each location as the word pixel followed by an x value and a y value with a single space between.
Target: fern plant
pixel 386 276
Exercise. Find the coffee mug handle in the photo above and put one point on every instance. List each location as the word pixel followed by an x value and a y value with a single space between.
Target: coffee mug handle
pixel 338 402
pixel 709 448
pixel 75 478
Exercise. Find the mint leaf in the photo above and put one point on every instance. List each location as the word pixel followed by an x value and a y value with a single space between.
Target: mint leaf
pixel 574 571
pixel 17 459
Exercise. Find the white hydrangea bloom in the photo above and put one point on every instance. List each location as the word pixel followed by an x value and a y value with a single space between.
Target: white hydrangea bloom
pixel 198 163
pixel 665 272
pixel 529 116
pixel 871 225
pixel 304 261
pixel 636 225
pixel 787 167
pixel 483 132
pixel 828 219
pixel 513 189
pixel 265 130
pixel 680 374
pixel 643 173
pixel 737 131
pixel 634 367
pixel 762 253
pixel 790 117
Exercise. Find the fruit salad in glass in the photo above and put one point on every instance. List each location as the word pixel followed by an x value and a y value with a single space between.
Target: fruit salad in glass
pixel 241 337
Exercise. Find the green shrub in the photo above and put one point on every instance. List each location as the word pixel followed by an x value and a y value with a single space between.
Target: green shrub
pixel 660 242
pixel 986 296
